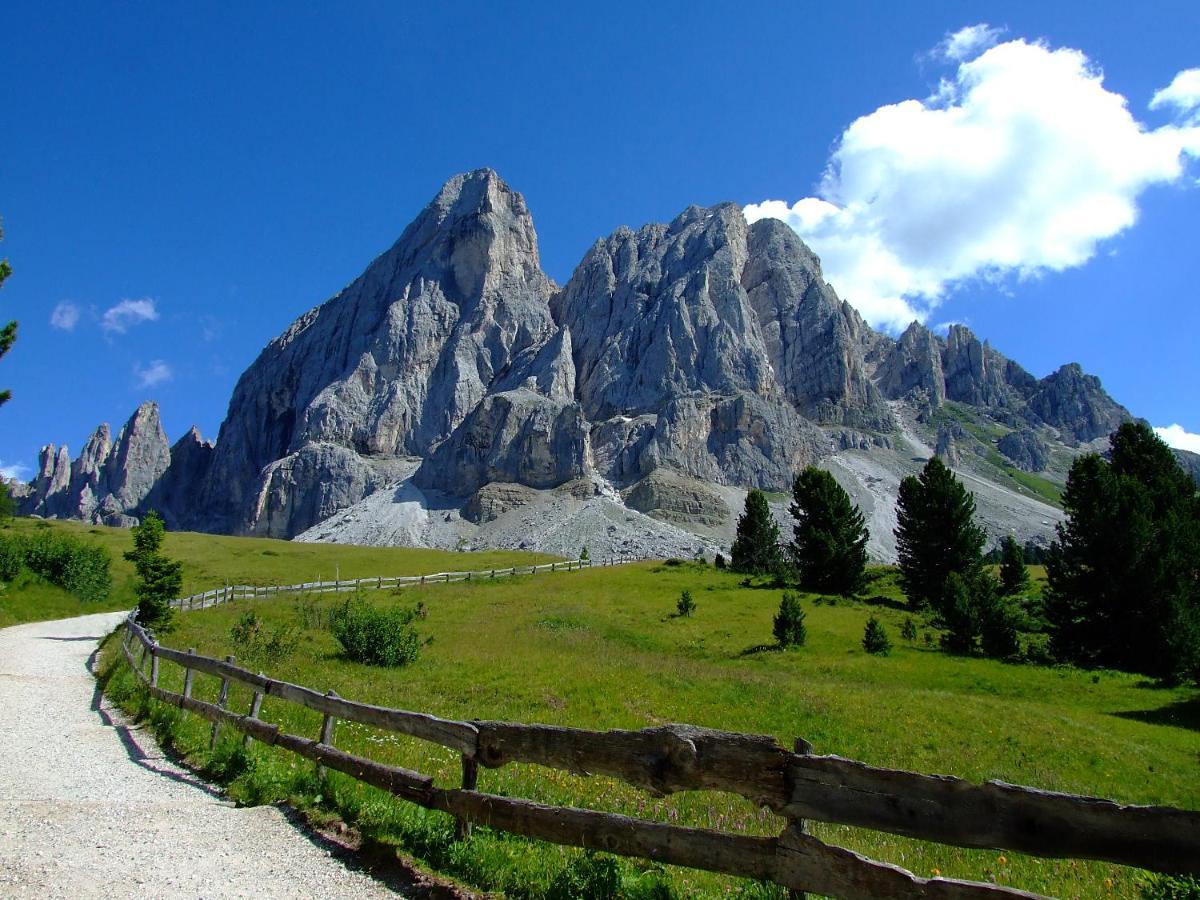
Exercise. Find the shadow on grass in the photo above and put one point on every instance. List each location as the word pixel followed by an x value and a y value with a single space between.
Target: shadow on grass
pixel 1183 714
pixel 760 648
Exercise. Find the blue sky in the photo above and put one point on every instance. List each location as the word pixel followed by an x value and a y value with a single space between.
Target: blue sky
pixel 178 182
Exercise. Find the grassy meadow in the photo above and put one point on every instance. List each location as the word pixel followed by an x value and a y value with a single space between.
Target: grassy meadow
pixel 602 649
pixel 211 561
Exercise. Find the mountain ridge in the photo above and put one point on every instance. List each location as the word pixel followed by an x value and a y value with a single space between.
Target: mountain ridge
pixel 705 347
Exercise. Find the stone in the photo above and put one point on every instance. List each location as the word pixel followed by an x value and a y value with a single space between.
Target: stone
pixel 1076 404
pixel 1025 449
pixel 670 497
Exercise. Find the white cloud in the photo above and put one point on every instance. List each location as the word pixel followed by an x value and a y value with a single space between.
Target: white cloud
pixel 968 42
pixel 1183 93
pixel 155 373
pixel 65 316
pixel 1176 437
pixel 120 318
pixel 1021 164
pixel 17 471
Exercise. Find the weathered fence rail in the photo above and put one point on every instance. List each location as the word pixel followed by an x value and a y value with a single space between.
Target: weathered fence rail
pixel 232 592
pixel 672 758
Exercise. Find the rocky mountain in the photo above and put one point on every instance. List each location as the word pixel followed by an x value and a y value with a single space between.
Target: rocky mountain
pixel 453 389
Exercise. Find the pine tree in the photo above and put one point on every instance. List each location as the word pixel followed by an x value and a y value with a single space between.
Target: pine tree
pixel 1014 577
pixel 830 536
pixel 8 334
pixel 875 639
pixel 1123 577
pixel 936 534
pixel 756 547
pixel 159 578
pixel 789 627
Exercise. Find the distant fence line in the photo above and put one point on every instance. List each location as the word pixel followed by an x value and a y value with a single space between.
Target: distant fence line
pixel 226 594
pixel 797 786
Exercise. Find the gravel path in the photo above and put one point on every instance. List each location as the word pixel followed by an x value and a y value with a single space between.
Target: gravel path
pixel 89 806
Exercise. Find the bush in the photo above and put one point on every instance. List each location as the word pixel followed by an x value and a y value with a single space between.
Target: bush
pixel 789 622
pixel 159 578
pixel 685 605
pixel 875 639
pixel 908 629
pixel 377 637
pixel 1170 887
pixel 250 634
pixel 720 561
pixel 61 559
pixel 12 557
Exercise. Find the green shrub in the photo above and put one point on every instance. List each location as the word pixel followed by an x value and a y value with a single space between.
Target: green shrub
pixel 12 557
pixel 75 565
pixel 1170 887
pixel 686 604
pixel 789 622
pixel 377 637
pixel 159 578
pixel 720 562
pixel 875 639
pixel 587 877
pixel 908 629
pixel 259 643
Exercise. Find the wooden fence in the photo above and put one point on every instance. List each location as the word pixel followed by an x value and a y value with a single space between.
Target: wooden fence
pixel 232 592
pixel 796 785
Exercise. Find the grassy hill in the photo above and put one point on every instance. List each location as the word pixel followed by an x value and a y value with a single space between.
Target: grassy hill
pixel 211 561
pixel 601 649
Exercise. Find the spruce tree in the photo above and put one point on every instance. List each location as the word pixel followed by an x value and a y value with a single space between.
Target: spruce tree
pixel 789 626
pixel 1123 577
pixel 936 533
pixel 830 536
pixel 756 548
pixel 1014 577
pixel 159 578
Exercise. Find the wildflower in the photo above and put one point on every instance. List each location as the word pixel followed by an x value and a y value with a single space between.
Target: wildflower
pixel 935 872
pixel 1108 884
pixel 1003 860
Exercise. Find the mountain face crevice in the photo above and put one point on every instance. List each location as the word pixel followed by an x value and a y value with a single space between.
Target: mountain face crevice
pixel 704 349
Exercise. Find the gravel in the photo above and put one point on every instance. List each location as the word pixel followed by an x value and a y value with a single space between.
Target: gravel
pixel 90 807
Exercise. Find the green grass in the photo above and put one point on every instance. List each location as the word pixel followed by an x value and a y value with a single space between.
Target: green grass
pixel 1045 489
pixel 214 560
pixel 600 649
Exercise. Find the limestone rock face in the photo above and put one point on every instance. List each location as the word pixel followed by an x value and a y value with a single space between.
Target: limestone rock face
pixel 947 449
pixel 913 369
pixel 1076 404
pixel 139 457
pixel 813 340
pixel 393 363
pixel 979 375
pixel 312 484
pixel 1190 463
pixel 1026 450
pixel 514 436
pixel 176 494
pixel 670 497
pixel 89 481
pixel 47 496
pixel 661 312
pixel 493 500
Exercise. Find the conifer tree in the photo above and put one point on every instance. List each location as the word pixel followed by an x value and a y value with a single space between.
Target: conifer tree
pixel 756 548
pixel 830 536
pixel 159 578
pixel 936 533
pixel 1123 577
pixel 1014 577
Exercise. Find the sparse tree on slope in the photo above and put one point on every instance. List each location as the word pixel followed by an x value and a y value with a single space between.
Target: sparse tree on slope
pixel 159 578
pixel 936 534
pixel 1014 577
pixel 1123 578
pixel 830 545
pixel 756 547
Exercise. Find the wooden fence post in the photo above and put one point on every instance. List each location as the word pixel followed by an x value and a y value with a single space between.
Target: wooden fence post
pixel 222 699
pixel 327 729
pixel 189 676
pixel 255 709
pixel 153 669
pixel 470 778
pixel 803 748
